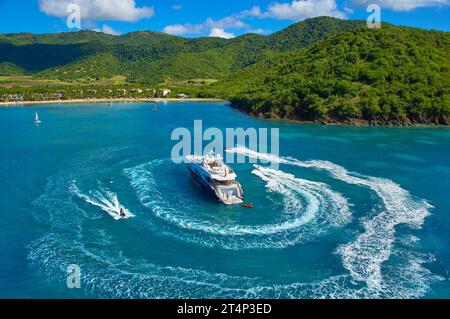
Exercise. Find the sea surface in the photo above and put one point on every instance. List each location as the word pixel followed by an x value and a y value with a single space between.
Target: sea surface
pixel 350 212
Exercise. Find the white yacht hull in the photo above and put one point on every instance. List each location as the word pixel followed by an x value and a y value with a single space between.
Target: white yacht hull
pixel 229 194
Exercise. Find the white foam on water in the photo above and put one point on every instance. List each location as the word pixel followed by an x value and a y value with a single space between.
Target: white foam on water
pixel 320 199
pixel 254 154
pixel 113 275
pixel 302 200
pixel 364 257
pixel 110 274
pixel 104 199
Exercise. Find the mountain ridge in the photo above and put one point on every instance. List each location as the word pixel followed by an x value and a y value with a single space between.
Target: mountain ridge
pixel 143 56
pixel 322 69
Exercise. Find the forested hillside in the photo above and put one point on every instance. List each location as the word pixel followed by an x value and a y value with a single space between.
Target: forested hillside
pixel 391 75
pixel 322 69
pixel 151 57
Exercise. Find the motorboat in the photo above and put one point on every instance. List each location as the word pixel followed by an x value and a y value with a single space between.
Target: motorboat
pixel 216 178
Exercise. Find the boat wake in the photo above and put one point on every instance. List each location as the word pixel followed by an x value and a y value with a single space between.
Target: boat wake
pixel 365 256
pixel 375 261
pixel 105 200
pixel 309 209
pixel 305 199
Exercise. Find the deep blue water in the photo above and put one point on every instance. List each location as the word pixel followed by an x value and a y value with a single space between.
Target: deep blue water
pixel 351 211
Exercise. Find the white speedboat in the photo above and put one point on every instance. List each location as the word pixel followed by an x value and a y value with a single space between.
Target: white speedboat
pixel 215 177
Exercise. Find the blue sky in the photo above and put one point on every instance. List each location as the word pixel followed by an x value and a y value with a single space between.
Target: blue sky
pixel 224 18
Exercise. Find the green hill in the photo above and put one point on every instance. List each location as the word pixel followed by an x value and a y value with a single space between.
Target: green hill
pixel 151 57
pixel 321 69
pixel 390 75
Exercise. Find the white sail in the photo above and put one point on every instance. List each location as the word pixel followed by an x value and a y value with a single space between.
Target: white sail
pixel 36 118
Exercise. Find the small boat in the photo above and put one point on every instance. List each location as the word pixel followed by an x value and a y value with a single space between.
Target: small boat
pixel 216 178
pixel 123 213
pixel 155 106
pixel 36 118
pixel 247 205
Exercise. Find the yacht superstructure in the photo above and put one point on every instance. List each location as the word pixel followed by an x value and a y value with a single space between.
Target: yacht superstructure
pixel 217 178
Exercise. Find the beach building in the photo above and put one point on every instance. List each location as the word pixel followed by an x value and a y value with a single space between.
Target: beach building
pixel 165 92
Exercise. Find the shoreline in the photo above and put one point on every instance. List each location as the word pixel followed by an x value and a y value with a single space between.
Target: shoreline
pixel 324 122
pixel 346 123
pixel 113 100
pixel 349 123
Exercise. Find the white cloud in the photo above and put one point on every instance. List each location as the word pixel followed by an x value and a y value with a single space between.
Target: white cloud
pixel 302 9
pixel 181 29
pixel 253 12
pixel 296 10
pixel 98 10
pixel 220 33
pixel 177 7
pixel 349 10
pixel 404 5
pixel 231 22
pixel 109 30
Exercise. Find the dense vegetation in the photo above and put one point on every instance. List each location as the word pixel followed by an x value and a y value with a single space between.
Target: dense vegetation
pixel 151 57
pixel 321 69
pixel 391 75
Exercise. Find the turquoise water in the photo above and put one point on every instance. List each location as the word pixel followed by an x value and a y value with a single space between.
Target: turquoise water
pixel 350 213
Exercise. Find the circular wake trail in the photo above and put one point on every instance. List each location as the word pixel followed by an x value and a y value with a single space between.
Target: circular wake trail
pixel 115 276
pixel 305 203
pixel 365 256
pixel 308 209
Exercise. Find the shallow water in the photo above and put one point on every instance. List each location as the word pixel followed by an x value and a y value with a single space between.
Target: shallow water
pixel 351 212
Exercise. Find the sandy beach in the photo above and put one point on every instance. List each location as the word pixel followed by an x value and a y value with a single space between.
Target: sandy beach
pixel 117 100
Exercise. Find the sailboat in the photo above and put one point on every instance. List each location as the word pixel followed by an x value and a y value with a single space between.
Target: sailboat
pixel 36 118
pixel 155 106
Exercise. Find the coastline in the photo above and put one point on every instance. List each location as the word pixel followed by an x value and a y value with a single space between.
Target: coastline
pixel 325 122
pixel 114 100
pixel 348 122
